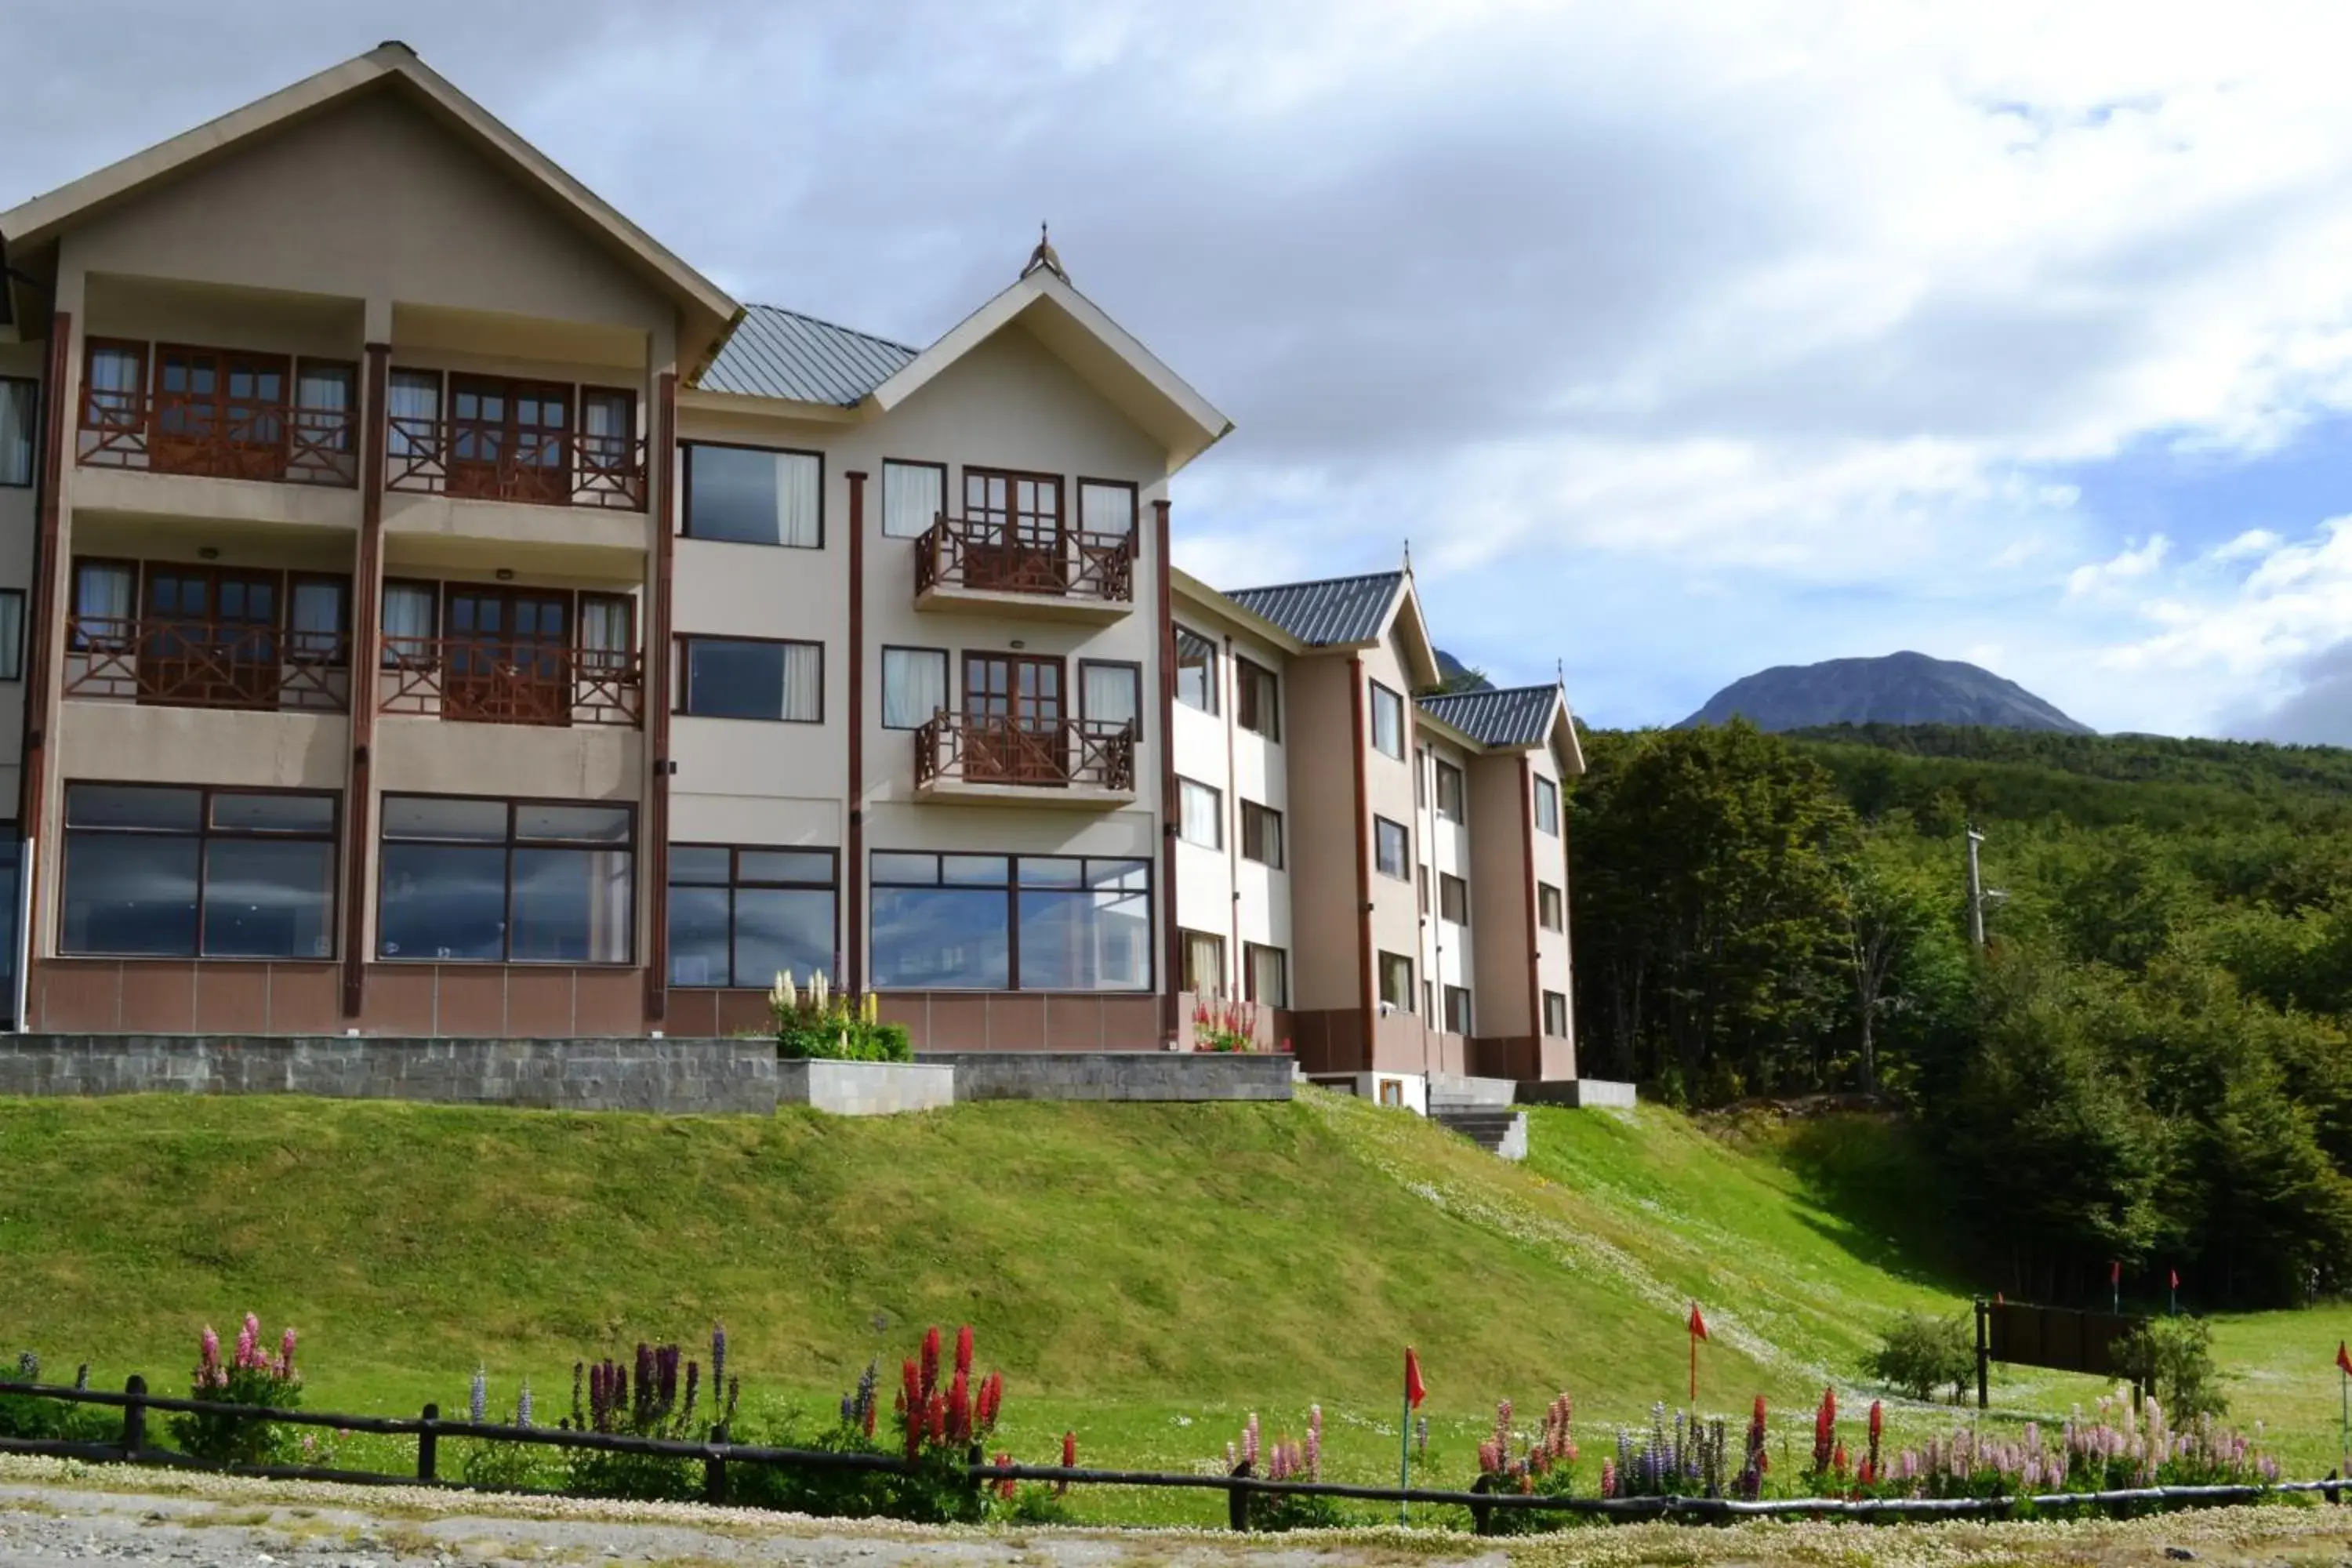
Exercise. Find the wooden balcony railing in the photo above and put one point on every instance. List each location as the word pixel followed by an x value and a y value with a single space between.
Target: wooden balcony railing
pixel 1044 753
pixel 1008 558
pixel 175 434
pixel 473 461
pixel 485 681
pixel 204 664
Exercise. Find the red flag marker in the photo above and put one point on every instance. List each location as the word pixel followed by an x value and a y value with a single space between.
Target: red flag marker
pixel 1697 1333
pixel 1416 1391
pixel 2344 1358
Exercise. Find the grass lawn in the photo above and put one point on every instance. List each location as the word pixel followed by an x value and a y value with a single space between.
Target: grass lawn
pixel 1144 1275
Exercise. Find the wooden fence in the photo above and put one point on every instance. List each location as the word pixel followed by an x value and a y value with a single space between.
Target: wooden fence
pixel 428 1428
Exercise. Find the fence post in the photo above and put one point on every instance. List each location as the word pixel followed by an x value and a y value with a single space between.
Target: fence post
pixel 1984 1355
pixel 714 1470
pixel 1237 1502
pixel 428 1445
pixel 135 1417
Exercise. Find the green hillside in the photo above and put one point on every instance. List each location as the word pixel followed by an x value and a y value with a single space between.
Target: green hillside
pixel 1145 1275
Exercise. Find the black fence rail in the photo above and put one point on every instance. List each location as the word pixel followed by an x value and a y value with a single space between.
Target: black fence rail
pixel 715 1455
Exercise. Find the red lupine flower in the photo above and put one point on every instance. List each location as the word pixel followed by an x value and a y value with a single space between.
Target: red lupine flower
pixel 964 1352
pixel 1004 1487
pixel 1877 1421
pixel 910 1395
pixel 1838 1460
pixel 930 1361
pixel 1069 1450
pixel 936 1418
pixel 960 1409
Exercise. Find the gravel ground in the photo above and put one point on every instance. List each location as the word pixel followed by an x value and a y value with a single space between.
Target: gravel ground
pixel 54 1513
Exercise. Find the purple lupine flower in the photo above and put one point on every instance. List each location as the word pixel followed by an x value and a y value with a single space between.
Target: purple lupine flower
pixel 478 1398
pixel 286 1353
pixel 522 1404
pixel 718 1355
pixel 1313 1442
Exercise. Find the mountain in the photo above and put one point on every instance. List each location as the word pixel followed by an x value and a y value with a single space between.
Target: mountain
pixel 1456 676
pixel 1899 689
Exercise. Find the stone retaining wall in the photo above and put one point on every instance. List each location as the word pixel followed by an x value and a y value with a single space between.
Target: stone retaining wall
pixel 864 1088
pixel 1116 1075
pixel 603 1074
pixel 1579 1091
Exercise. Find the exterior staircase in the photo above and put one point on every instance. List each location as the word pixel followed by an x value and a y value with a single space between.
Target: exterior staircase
pixel 1481 1109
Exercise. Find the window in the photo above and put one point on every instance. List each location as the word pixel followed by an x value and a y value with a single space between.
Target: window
pixel 114 386
pixel 324 401
pixel 412 407
pixel 1105 507
pixel 1396 981
pixel 1421 776
pixel 1204 962
pixel 1389 847
pixel 744 916
pixel 411 619
pixel 1265 975
pixel 1388 722
pixel 104 591
pixel 1258 700
pixel 1261 834
pixel 914 685
pixel 467 880
pixel 608 436
pixel 744 678
pixel 745 495
pixel 1453 899
pixel 172 872
pixel 913 497
pixel 1027 923
pixel 1429 1003
pixel 1547 806
pixel 1111 693
pixel 1452 803
pixel 18 399
pixel 1457 1010
pixel 12 634
pixel 1421 878
pixel 317 613
pixel 1556 1014
pixel 1018 508
pixel 1201 815
pixel 1550 907
pixel 1196 671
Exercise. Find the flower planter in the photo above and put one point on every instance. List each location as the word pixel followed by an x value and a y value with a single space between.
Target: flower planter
pixel 863 1088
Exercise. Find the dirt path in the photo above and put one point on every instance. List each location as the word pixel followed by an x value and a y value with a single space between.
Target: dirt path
pixel 52 1515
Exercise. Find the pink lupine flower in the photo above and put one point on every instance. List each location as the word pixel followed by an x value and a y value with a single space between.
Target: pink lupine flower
pixel 1314 1441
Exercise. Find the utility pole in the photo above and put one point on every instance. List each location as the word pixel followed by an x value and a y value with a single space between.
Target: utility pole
pixel 1976 889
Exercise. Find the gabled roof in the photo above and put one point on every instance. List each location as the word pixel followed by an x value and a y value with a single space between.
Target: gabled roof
pixel 1333 610
pixel 1515 717
pixel 387 66
pixel 776 353
pixel 1097 349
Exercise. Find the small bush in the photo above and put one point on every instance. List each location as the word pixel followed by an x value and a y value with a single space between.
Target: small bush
pixel 2173 1357
pixel 251 1376
pixel 1922 1353
pixel 817 1023
pixel 660 1405
pixel 33 1420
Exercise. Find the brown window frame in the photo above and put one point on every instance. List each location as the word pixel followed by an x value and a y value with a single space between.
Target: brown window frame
pixel 1461 810
pixel 738 882
pixel 1134 667
pixel 1217 815
pixel 1555 1006
pixel 1453 899
pixel 882 520
pixel 1551 908
pixel 1250 951
pixel 33 406
pixel 1545 790
pixel 1255 819
pixel 1207 659
pixel 1134 505
pixel 681 642
pixel 1257 698
pixel 1372 721
pixel 686 492
pixel 203 834
pixel 1458 1020
pixel 11 654
pixel 881 682
pixel 1186 936
pixel 141 351
pixel 633 844
pixel 1404 849
pixel 1014 519
pixel 1012 888
pixel 1387 970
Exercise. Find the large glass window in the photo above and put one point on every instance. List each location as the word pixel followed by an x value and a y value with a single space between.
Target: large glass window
pixel 738 677
pixel 751 496
pixel 1457 1010
pixel 1261 834
pixel 1451 800
pixel 1105 507
pixel 489 881
pixel 914 685
pixel 1390 847
pixel 996 923
pixel 1196 671
pixel 1265 975
pixel 1396 981
pixel 1453 899
pixel 1201 815
pixel 19 397
pixel 1258 700
pixel 1111 693
pixel 913 497
pixel 173 872
pixel 742 916
pixel 1204 962
pixel 1388 722
pixel 1547 806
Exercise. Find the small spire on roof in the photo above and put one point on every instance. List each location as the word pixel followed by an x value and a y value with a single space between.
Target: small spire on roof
pixel 1045 255
pixel 1408 556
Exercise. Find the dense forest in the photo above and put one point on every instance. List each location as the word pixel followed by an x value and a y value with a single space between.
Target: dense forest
pixel 2147 1064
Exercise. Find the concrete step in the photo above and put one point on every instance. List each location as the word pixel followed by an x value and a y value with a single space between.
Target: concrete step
pixel 1502 1132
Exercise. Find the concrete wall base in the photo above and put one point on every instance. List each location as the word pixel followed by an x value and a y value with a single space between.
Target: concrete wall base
pixel 1579 1091
pixel 1116 1075
pixel 864 1088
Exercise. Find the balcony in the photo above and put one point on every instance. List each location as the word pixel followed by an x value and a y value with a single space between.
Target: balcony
pixel 204 664
pixel 992 760
pixel 490 681
pixel 480 460
pixel 167 433
pixel 988 567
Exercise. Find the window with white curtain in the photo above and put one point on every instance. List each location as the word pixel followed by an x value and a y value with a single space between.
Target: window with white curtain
pixel 913 496
pixel 412 403
pixel 1204 963
pixel 103 592
pixel 17 398
pixel 738 678
pixel 1105 508
pixel 1266 974
pixel 744 496
pixel 608 624
pixel 411 622
pixel 1201 815
pixel 914 685
pixel 1111 693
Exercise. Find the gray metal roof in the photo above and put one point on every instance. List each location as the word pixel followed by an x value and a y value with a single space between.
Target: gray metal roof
pixel 1519 716
pixel 776 353
pixel 1335 610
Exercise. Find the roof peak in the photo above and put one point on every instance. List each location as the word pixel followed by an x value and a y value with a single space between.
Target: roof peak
pixel 1317 582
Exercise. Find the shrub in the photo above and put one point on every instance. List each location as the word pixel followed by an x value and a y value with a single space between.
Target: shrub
pixel 661 1404
pixel 821 1024
pixel 2173 1359
pixel 1682 1458
pixel 1285 1461
pixel 504 1466
pixel 26 1417
pixel 1547 1468
pixel 1922 1353
pixel 249 1377
pixel 1224 1026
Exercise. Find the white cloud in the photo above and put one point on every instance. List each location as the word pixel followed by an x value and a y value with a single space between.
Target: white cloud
pixel 2133 562
pixel 2254 542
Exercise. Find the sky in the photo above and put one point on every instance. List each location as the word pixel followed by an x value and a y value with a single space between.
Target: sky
pixel 1679 340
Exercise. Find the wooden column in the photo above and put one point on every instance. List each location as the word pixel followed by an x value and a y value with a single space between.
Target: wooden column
pixel 853 904
pixel 1535 931
pixel 1367 991
pixel 45 636
pixel 367 626
pixel 1229 706
pixel 653 833
pixel 1173 940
